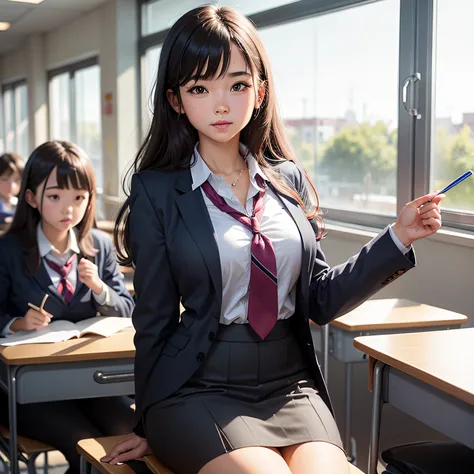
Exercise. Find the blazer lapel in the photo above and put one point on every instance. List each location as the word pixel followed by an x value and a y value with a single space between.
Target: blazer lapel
pixel 198 222
pixel 43 279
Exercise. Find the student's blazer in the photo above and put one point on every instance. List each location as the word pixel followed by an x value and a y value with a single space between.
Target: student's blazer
pixel 18 288
pixel 176 258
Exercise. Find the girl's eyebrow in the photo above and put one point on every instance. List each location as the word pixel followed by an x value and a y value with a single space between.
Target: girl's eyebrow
pixel 231 74
pixel 239 73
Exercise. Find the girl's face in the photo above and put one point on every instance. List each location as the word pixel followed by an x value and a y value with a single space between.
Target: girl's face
pixel 60 209
pixel 220 108
pixel 9 184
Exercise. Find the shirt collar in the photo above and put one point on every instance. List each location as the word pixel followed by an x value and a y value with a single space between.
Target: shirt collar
pixel 200 172
pixel 45 246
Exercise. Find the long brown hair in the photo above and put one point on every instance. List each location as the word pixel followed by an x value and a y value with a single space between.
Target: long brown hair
pixel 198 45
pixel 73 169
pixel 9 163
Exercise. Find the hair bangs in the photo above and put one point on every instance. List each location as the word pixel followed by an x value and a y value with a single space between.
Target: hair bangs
pixel 8 170
pixel 72 171
pixel 206 55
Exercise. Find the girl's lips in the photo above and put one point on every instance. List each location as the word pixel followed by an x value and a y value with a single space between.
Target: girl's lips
pixel 221 125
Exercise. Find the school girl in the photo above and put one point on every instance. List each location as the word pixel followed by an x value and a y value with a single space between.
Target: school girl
pixel 52 248
pixel 11 168
pixel 223 218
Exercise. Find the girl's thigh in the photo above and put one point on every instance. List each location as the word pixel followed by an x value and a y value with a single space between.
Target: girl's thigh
pixel 251 460
pixel 315 457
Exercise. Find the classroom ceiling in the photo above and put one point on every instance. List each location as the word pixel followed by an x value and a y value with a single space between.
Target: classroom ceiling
pixel 28 19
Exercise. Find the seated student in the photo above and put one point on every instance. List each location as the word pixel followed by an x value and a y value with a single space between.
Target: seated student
pixel 52 248
pixel 11 169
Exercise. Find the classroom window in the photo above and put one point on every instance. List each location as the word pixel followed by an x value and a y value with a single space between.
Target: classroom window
pixel 149 68
pixel 14 120
pixel 339 104
pixel 75 112
pixel 340 67
pixel 158 15
pixel 452 150
pixel 88 122
pixel 60 107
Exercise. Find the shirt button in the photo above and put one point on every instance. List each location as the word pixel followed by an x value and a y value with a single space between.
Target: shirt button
pixel 200 357
pixel 212 336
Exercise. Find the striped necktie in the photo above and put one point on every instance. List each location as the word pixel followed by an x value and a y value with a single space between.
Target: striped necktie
pixel 263 288
pixel 64 288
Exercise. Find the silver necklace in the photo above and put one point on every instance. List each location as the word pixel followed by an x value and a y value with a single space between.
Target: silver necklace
pixel 238 177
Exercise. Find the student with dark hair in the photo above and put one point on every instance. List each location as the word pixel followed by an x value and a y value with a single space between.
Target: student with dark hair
pixel 11 169
pixel 222 218
pixel 52 248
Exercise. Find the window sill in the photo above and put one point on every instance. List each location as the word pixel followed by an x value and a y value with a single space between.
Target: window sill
pixel 363 234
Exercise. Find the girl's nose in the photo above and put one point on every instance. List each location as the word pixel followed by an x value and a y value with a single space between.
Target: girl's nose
pixel 222 109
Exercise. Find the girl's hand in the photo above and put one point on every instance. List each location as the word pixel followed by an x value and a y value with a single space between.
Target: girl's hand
pixel 413 223
pixel 88 274
pixel 131 447
pixel 32 320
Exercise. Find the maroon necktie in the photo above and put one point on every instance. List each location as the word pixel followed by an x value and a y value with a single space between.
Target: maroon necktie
pixel 263 288
pixel 64 288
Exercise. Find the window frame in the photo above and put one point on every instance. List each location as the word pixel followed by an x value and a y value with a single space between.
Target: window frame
pixel 417 36
pixel 71 70
pixel 12 87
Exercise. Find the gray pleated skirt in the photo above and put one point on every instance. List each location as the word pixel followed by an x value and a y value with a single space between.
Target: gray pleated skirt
pixel 247 392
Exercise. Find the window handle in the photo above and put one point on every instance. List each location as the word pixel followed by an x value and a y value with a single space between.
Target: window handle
pixel 412 111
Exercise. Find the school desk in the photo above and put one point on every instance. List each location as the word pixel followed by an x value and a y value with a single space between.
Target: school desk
pixel 378 316
pixel 88 367
pixel 428 375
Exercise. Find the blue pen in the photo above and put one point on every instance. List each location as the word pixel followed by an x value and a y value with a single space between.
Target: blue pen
pixel 451 185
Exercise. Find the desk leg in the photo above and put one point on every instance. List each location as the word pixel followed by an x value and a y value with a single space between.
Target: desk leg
pixel 325 348
pixel 85 467
pixel 347 433
pixel 376 417
pixel 12 370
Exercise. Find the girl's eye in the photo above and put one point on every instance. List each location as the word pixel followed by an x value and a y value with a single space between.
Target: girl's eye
pixel 240 86
pixel 80 198
pixel 197 90
pixel 53 197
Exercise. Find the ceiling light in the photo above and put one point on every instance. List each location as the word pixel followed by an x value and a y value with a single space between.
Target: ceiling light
pixel 27 1
pixel 4 25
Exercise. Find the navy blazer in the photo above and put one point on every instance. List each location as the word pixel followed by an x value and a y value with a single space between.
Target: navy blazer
pixel 176 258
pixel 18 288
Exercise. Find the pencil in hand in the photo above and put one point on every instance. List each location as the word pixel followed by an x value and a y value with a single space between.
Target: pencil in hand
pixel 43 302
pixel 40 309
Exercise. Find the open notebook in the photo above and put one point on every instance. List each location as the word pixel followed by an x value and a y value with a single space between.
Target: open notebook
pixel 63 330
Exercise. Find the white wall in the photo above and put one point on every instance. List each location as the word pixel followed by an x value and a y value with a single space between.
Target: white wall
pixel 441 278
pixel 65 45
pixel 75 41
pixel 14 66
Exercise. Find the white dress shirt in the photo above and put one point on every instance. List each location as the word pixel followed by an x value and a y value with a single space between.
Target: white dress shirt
pixel 49 251
pixel 234 241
